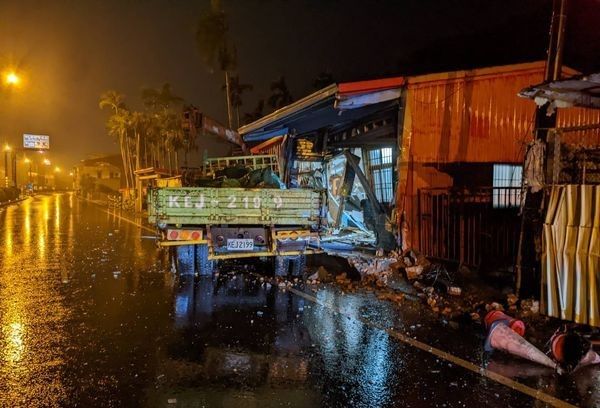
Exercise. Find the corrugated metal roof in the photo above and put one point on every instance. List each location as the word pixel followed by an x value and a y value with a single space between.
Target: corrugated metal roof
pixel 290 109
pixel 351 88
pixel 323 104
pixel 581 91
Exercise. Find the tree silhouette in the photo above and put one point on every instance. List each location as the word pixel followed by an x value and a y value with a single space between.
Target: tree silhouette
pixel 215 46
pixel 256 114
pixel 280 94
pixel 325 78
pixel 237 89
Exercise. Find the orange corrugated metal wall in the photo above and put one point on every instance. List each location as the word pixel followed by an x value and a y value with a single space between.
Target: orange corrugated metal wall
pixel 471 120
pixel 474 116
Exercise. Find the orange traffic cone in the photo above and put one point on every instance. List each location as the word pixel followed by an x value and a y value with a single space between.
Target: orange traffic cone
pixel 501 337
pixel 591 357
pixel 497 315
pixel 565 347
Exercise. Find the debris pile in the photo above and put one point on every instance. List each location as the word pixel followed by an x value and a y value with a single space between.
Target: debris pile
pixel 241 176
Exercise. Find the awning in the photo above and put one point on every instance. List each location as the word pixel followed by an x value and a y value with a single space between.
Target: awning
pixel 581 90
pixel 334 106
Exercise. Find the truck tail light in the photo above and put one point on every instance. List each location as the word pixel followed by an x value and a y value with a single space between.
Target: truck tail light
pixel 184 235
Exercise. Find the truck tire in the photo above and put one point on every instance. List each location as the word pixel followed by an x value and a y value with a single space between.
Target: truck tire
pixel 281 265
pixel 184 256
pixel 204 266
pixel 298 265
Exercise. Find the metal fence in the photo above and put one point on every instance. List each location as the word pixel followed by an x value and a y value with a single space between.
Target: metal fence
pixel 468 226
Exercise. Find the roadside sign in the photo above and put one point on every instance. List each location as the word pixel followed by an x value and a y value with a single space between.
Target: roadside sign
pixel 36 141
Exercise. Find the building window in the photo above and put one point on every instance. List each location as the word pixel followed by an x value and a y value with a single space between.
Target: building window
pixel 507 185
pixel 381 168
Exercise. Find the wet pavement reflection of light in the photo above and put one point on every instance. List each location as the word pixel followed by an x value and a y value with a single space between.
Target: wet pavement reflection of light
pixel 90 315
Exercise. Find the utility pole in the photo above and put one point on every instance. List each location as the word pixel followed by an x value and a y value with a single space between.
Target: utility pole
pixel 528 274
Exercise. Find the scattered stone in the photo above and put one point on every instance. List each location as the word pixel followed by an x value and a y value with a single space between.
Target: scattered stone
pixel 341 277
pixel 512 299
pixel 323 274
pixel 454 291
pixel 530 306
pixel 414 272
pixel 313 277
pixel 494 306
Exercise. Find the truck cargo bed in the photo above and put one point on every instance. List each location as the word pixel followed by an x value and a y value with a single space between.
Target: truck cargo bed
pixel 210 206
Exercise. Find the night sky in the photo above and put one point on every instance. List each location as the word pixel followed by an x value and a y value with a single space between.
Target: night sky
pixel 72 51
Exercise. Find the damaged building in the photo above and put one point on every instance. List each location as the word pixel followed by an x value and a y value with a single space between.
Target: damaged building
pixel 343 139
pixel 431 162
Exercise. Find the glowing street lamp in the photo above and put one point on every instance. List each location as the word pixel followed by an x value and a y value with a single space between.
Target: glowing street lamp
pixel 28 161
pixel 57 169
pixel 47 162
pixel 12 78
pixel 6 151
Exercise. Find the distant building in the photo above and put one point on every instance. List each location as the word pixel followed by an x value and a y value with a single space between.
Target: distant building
pixel 99 175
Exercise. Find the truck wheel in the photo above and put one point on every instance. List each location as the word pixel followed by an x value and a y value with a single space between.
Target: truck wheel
pixel 185 259
pixel 204 266
pixel 298 266
pixel 281 265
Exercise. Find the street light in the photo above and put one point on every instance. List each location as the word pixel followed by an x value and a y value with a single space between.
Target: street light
pixel 27 161
pixel 6 151
pixel 57 169
pixel 12 78
pixel 47 162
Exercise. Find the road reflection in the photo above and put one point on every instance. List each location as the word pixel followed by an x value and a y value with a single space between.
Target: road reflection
pixel 92 315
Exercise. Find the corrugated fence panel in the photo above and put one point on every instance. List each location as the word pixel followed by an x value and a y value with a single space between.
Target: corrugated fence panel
pixel 571 257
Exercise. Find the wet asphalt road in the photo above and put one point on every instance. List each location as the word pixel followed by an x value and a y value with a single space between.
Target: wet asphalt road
pixel 92 315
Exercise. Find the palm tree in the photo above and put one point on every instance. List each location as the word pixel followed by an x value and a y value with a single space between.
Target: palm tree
pixel 325 78
pixel 112 99
pixel 166 121
pixel 161 99
pixel 138 123
pixel 215 46
pixel 280 95
pixel 117 125
pixel 256 114
pixel 237 89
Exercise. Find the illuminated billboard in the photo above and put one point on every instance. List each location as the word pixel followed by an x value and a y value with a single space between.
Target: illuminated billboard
pixel 36 141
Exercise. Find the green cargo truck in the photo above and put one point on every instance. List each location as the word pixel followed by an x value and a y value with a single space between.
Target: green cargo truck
pixel 236 222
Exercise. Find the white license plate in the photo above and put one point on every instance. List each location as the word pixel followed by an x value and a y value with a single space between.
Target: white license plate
pixel 240 244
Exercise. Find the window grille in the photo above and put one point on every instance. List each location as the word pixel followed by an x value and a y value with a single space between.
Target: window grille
pixel 507 185
pixel 381 169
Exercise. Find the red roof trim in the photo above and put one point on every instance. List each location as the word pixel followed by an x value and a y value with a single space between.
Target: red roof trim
pixel 349 88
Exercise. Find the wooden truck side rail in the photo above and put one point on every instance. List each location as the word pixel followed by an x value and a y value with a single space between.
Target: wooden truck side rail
pixel 240 206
